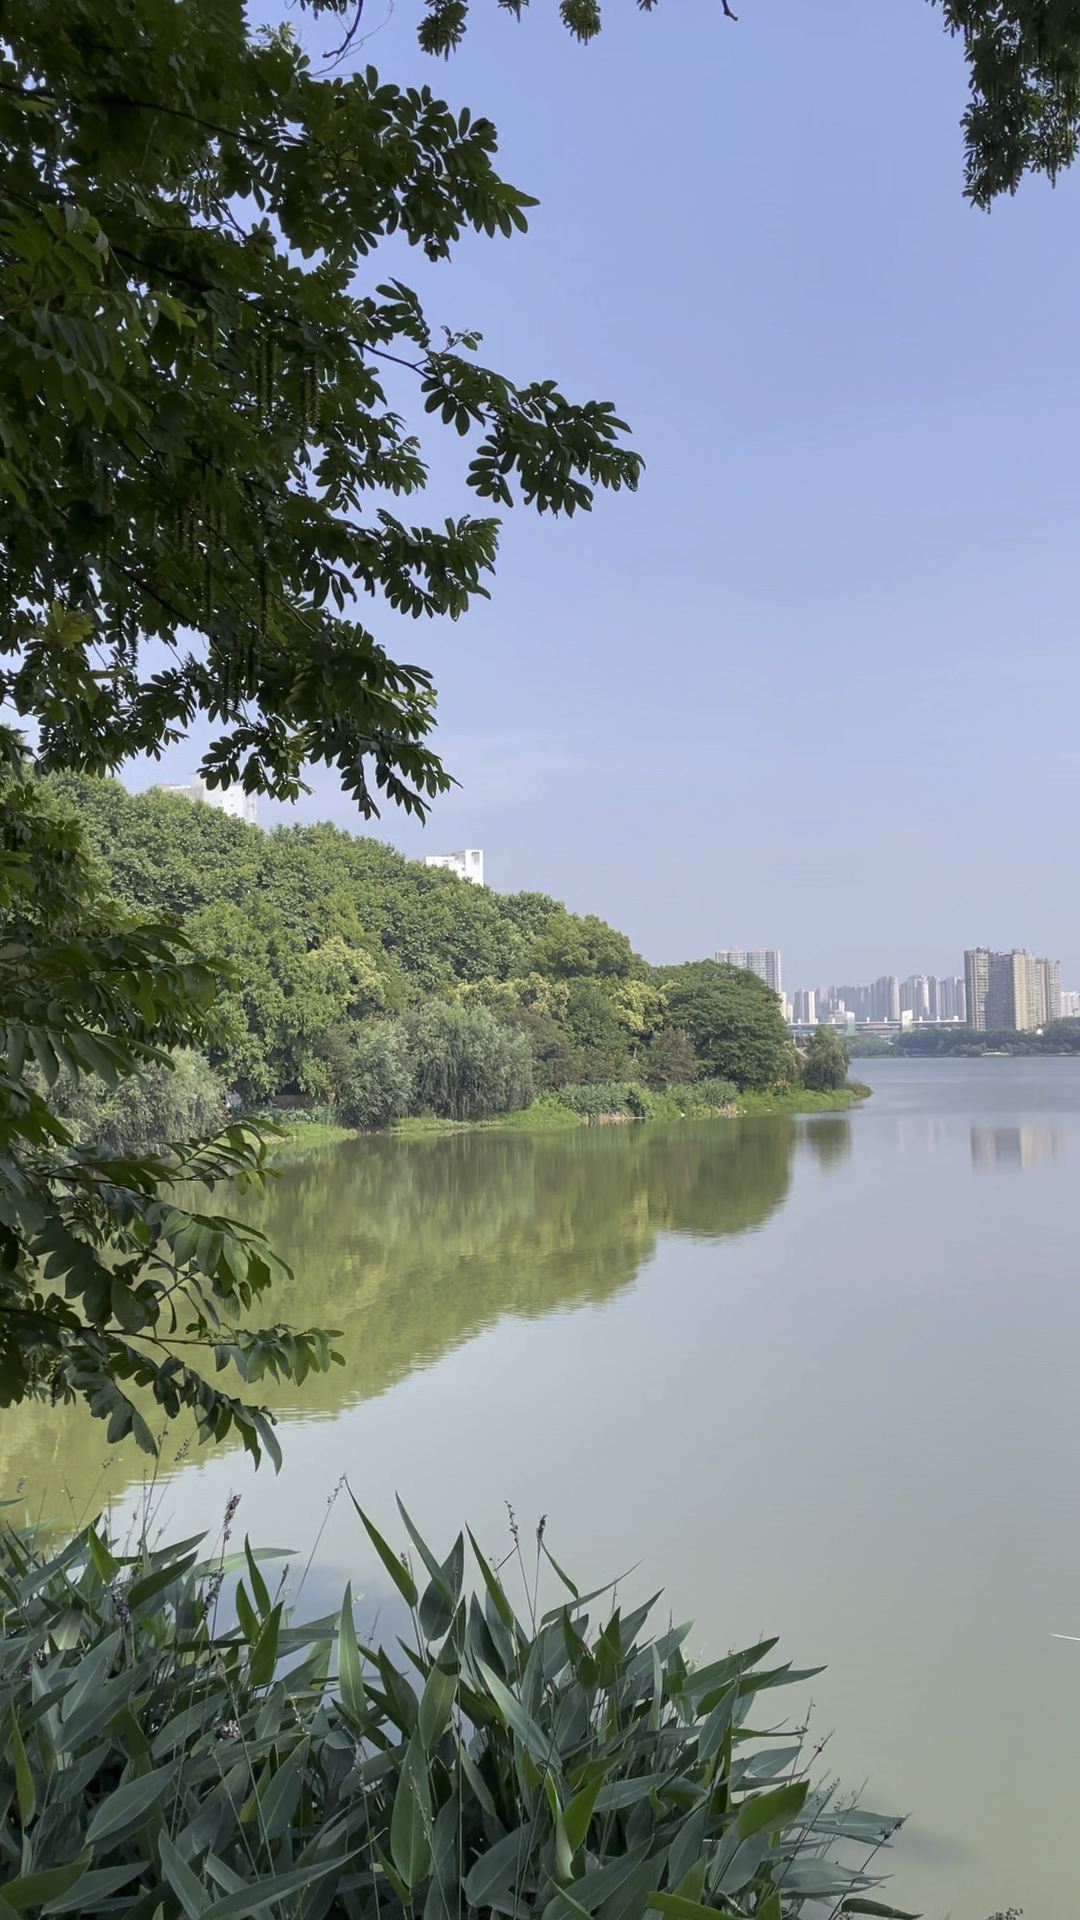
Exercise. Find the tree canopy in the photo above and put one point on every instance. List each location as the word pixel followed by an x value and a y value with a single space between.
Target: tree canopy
pixel 192 405
pixel 197 460
pixel 825 1061
pixel 732 1019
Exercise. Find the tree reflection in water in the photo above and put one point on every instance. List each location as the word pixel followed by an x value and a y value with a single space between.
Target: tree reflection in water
pixel 413 1245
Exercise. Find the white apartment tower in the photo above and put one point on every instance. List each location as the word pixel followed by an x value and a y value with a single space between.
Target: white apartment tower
pixel 764 961
pixel 468 864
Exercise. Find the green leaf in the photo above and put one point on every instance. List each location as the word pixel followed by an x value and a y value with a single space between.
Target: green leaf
pixel 500 1867
pixel 264 1893
pixel 350 1668
pixel 24 1780
pixel 399 1574
pixel 494 1586
pixel 538 1744
pixel 278 1802
pixel 129 1803
pixel 681 1907
pixel 436 1706
pixel 105 1566
pixel 579 1812
pixel 35 1889
pixel 95 1886
pixel 410 1822
pixel 156 1582
pixel 259 1587
pixel 767 1811
pixel 265 1651
pixel 186 1885
pixel 856 1905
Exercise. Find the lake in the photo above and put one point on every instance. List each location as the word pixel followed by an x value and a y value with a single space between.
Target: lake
pixel 814 1377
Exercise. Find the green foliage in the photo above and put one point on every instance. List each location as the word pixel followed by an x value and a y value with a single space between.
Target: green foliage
pixel 571 948
pixel 1058 1036
pixel 324 929
pixel 466 1065
pixel 1023 61
pixel 669 1059
pixel 564 1764
pixel 377 1078
pixel 602 1102
pixel 106 1280
pixel 824 1063
pixel 191 412
pixel 733 1021
pixel 175 1101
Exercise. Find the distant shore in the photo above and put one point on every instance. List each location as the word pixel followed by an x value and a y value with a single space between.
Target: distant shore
pixel 547 1116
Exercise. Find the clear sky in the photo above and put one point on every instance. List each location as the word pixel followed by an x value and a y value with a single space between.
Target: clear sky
pixel 817 685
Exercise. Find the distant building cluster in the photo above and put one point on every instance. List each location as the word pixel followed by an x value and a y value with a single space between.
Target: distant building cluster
pixel 1017 989
pixel 231 800
pixel 996 991
pixel 468 864
pixel 888 1001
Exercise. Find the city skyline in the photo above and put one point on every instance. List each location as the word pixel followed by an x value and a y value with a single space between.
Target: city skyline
pixel 1014 989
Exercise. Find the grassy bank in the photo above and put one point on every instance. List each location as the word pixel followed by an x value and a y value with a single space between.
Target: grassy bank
pixel 802 1100
pixel 544 1116
pixel 296 1141
pixel 550 1115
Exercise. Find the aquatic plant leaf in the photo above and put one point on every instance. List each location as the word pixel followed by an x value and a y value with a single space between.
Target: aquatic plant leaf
pixel 129 1803
pixel 768 1811
pixel 350 1668
pixel 399 1573
pixel 410 1822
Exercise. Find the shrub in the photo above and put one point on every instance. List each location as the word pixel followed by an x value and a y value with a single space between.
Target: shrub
pixel 376 1080
pixel 143 1114
pixel 669 1060
pixel 825 1062
pixel 713 1094
pixel 466 1063
pixel 160 1767
pixel 594 1100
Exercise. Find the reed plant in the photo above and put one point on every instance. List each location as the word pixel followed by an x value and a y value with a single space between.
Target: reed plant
pixel 161 1761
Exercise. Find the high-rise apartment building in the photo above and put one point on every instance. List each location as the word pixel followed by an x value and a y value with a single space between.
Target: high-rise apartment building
pixel 468 864
pixel 1017 990
pixel 951 999
pixel 805 1007
pixel 764 961
pixel 229 800
pixel 918 996
pixel 976 985
pixel 885 998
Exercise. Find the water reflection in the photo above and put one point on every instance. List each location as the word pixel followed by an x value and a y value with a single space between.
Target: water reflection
pixel 414 1246
pixel 1015 1146
pixel 828 1139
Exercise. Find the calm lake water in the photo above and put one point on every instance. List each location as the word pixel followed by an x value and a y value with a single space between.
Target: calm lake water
pixel 815 1377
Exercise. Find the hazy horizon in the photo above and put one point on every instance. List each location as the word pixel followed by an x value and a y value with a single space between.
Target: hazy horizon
pixel 813 686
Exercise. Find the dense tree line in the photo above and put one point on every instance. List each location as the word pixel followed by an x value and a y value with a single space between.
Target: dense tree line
pixel 1058 1036
pixel 386 987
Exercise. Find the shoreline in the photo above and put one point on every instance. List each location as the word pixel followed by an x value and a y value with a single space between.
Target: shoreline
pixel 546 1116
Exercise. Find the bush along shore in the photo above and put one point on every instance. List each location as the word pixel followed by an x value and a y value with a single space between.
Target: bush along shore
pixel 165 1764
pixel 605 1105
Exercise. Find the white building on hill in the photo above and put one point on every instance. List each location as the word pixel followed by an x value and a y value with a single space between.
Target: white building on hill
pixel 468 864
pixel 231 800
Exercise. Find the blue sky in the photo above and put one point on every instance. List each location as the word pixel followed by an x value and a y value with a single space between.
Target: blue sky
pixel 817 684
